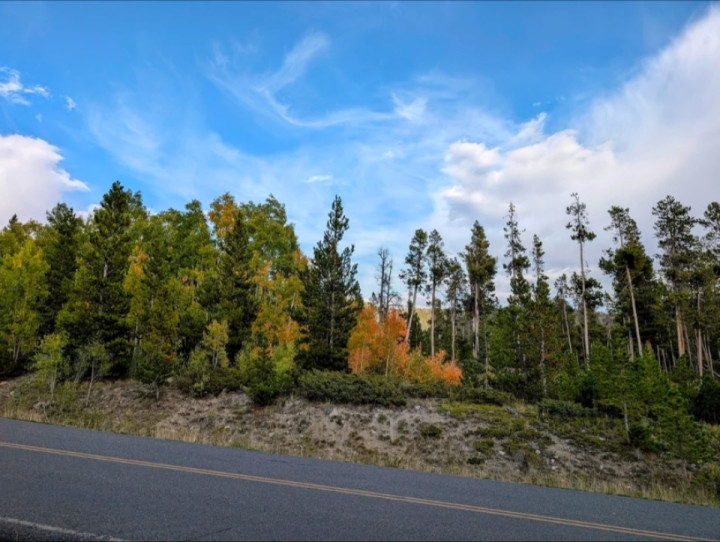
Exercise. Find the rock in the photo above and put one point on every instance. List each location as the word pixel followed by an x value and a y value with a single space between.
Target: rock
pixel 521 459
pixel 512 411
pixel 41 405
pixel 335 416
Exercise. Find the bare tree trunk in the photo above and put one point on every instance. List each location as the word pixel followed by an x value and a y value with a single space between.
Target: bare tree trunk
pixel 432 321
pixel 412 313
pixel 453 328
pixel 567 324
pixel 584 303
pixel 542 361
pixel 635 316
pixel 476 324
pixel 698 338
pixel 679 329
pixel 487 357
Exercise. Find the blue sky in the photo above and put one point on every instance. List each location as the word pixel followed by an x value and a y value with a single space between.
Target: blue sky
pixel 421 114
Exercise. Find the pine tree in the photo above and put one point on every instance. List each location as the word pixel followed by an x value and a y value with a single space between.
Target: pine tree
pixel 580 233
pixel 437 267
pixel 60 245
pixel 456 288
pixel 414 275
pixel 332 299
pixel 673 229
pixel 98 304
pixel 481 269
pixel 516 315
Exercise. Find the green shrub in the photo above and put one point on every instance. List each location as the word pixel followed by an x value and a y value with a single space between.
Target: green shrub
pixel 423 389
pixel 337 387
pixel 708 477
pixel 706 405
pixel 481 396
pixel 211 380
pixel 429 430
pixel 485 446
pixel 565 409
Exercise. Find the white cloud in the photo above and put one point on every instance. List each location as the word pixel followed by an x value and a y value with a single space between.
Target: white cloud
pixel 31 180
pixel 657 134
pixel 13 90
pixel 70 103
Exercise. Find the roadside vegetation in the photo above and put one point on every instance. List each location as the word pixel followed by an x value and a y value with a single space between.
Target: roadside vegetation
pixel 225 309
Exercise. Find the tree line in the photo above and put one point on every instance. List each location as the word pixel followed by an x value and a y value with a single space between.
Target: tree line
pixel 228 299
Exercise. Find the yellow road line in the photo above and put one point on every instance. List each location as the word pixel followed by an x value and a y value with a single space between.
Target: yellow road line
pixel 361 493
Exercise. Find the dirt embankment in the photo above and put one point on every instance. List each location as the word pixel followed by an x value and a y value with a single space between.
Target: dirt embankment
pixel 485 441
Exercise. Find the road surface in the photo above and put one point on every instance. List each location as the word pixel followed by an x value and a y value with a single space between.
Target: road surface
pixel 59 483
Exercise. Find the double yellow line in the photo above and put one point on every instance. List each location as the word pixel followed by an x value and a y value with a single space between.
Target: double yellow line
pixel 359 492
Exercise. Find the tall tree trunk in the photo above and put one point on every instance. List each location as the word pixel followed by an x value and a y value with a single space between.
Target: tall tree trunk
pixel 679 329
pixel 487 356
pixel 634 310
pixel 698 337
pixel 586 333
pixel 476 324
pixel 567 324
pixel 412 313
pixel 432 321
pixel 453 328
pixel 542 361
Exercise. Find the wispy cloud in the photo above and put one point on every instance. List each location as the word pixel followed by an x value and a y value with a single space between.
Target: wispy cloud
pixel 442 155
pixel 14 91
pixel 260 92
pixel 319 179
pixel 70 103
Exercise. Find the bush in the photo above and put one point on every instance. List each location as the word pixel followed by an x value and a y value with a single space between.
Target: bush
pixel 210 381
pixel 429 430
pixel 565 409
pixel 337 387
pixel 481 396
pixel 708 477
pixel 706 405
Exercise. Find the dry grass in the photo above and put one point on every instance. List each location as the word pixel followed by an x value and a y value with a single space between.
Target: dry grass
pixel 387 437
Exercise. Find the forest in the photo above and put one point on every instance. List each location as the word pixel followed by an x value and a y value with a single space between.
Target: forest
pixel 226 300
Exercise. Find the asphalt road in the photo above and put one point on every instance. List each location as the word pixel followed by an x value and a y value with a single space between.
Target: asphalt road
pixel 59 483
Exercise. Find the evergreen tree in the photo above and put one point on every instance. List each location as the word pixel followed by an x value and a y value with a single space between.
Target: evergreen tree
pixel 456 288
pixel 515 317
pixel 98 304
pixel 673 229
pixel 629 266
pixel 415 275
pixel 437 267
pixel 332 298
pixel 578 225
pixel 60 244
pixel 481 269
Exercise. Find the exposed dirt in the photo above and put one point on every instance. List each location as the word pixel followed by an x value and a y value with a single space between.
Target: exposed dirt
pixel 501 443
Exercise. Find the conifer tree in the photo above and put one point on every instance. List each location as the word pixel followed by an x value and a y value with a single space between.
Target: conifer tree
pixel 415 274
pixel 578 225
pixel 437 267
pixel 332 298
pixel 673 229
pixel 481 269
pixel 98 305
